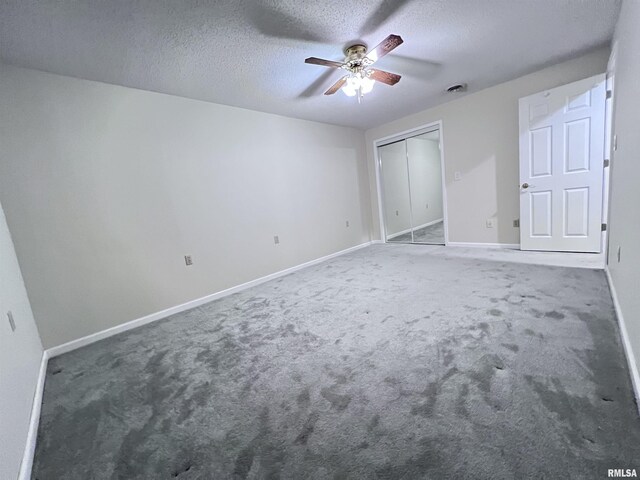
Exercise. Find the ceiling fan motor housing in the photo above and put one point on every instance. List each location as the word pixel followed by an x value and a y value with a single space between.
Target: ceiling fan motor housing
pixel 355 59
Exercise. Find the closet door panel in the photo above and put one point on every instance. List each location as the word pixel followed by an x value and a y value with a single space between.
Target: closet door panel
pixel 425 186
pixel 395 191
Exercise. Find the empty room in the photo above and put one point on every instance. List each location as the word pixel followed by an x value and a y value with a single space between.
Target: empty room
pixel 374 239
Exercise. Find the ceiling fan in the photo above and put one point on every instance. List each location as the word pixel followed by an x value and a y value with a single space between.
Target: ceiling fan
pixel 361 76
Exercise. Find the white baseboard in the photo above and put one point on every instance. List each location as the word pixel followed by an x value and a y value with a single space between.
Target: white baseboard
pixel 34 421
pixel 94 337
pixel 628 350
pixel 27 461
pixel 513 246
pixel 30 448
pixel 428 224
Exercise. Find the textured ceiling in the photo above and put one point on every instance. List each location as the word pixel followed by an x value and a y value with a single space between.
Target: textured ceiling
pixel 251 53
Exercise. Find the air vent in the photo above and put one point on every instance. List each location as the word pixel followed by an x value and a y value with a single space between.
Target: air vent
pixel 457 88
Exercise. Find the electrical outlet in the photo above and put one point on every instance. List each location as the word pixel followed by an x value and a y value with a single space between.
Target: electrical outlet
pixel 276 239
pixel 397 213
pixel 516 223
pixel 188 260
pixel 347 222
pixel 618 253
pixel 11 321
pixel 457 176
pixel 489 222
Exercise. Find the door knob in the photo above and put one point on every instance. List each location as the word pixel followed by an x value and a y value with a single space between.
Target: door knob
pixel 525 185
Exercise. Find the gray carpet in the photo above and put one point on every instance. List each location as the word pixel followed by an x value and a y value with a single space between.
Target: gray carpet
pixel 392 362
pixel 433 234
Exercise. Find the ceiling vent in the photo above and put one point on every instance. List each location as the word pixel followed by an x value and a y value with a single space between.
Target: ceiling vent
pixel 457 88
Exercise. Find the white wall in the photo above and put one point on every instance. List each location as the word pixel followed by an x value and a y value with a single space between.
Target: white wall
pixel 105 189
pixel 624 215
pixel 480 140
pixel 426 180
pixel 20 357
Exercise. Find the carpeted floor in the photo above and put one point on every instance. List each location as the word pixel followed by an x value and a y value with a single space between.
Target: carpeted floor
pixel 433 234
pixel 391 362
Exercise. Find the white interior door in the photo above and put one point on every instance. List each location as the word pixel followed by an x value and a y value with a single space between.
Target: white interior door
pixel 561 167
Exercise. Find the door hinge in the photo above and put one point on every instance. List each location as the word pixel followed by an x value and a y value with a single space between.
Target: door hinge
pixel 606 163
pixel 609 93
pixel 603 227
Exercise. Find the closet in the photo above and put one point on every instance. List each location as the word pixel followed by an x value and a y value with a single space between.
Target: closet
pixel 412 193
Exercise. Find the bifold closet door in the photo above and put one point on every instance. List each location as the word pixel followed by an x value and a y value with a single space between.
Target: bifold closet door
pixel 395 192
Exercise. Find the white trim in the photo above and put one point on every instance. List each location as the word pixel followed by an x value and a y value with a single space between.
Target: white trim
pixel 608 155
pixel 94 337
pixel 514 246
pixel 376 161
pixel 628 350
pixel 34 421
pixel 445 210
pixel 412 132
pixel 424 225
pixel 437 125
pixel 401 232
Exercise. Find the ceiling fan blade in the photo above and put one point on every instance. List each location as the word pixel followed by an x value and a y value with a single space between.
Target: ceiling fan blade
pixel 272 22
pixel 386 10
pixel 384 47
pixel 317 85
pixel 384 77
pixel 419 68
pixel 323 62
pixel 336 86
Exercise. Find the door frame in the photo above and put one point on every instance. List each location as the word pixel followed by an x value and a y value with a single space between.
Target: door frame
pixel 403 135
pixel 608 155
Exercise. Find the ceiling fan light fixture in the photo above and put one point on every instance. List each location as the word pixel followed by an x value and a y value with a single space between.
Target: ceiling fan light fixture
pixel 358 83
pixel 367 84
pixel 349 90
